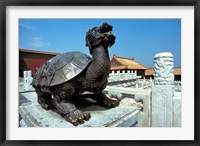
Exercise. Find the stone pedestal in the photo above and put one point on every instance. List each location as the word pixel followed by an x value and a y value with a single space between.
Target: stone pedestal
pixel 162 105
pixel 125 115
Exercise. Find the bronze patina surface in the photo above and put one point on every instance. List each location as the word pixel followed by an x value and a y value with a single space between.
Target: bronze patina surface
pixel 67 79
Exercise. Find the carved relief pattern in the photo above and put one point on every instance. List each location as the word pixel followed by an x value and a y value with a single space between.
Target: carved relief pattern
pixel 163 69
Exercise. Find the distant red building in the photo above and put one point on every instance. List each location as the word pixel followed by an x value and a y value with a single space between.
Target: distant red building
pixel 32 60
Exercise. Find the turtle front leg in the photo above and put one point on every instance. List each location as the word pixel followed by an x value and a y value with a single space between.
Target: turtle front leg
pixel 103 100
pixel 45 100
pixel 71 113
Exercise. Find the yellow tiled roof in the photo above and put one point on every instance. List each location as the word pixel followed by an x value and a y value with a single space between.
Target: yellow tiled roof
pixel 118 67
pixel 177 71
pixel 129 63
pixel 150 71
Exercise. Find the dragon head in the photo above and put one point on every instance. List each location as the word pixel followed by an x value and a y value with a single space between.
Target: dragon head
pixel 100 36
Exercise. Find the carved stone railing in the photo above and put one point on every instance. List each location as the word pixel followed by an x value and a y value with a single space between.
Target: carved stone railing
pixel 142 98
pixel 160 104
pixel 123 79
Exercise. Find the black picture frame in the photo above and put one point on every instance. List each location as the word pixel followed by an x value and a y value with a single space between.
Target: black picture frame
pixel 5 3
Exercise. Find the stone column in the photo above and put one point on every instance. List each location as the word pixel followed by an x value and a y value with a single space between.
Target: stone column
pixel 163 90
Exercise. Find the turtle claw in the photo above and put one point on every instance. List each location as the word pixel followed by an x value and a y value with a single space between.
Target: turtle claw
pixel 45 106
pixel 77 117
pixel 45 101
pixel 109 102
pixel 87 116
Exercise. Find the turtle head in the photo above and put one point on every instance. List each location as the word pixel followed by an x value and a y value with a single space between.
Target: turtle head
pixel 100 36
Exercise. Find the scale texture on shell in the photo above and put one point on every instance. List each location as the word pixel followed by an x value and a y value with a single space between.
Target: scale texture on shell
pixel 62 68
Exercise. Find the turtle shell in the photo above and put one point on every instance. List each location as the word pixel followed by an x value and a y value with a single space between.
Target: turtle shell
pixel 61 68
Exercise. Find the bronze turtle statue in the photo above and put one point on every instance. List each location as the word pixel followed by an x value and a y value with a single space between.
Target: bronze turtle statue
pixel 73 76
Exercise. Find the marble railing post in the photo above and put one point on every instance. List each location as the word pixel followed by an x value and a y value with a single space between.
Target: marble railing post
pixel 27 78
pixel 163 90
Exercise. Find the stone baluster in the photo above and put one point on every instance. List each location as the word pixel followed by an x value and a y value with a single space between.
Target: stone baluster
pixel 27 79
pixel 163 90
pixel 137 81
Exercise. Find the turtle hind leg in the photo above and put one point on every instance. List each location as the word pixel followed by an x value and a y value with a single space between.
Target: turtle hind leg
pixel 71 113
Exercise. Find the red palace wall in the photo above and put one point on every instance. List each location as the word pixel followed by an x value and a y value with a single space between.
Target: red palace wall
pixel 32 61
